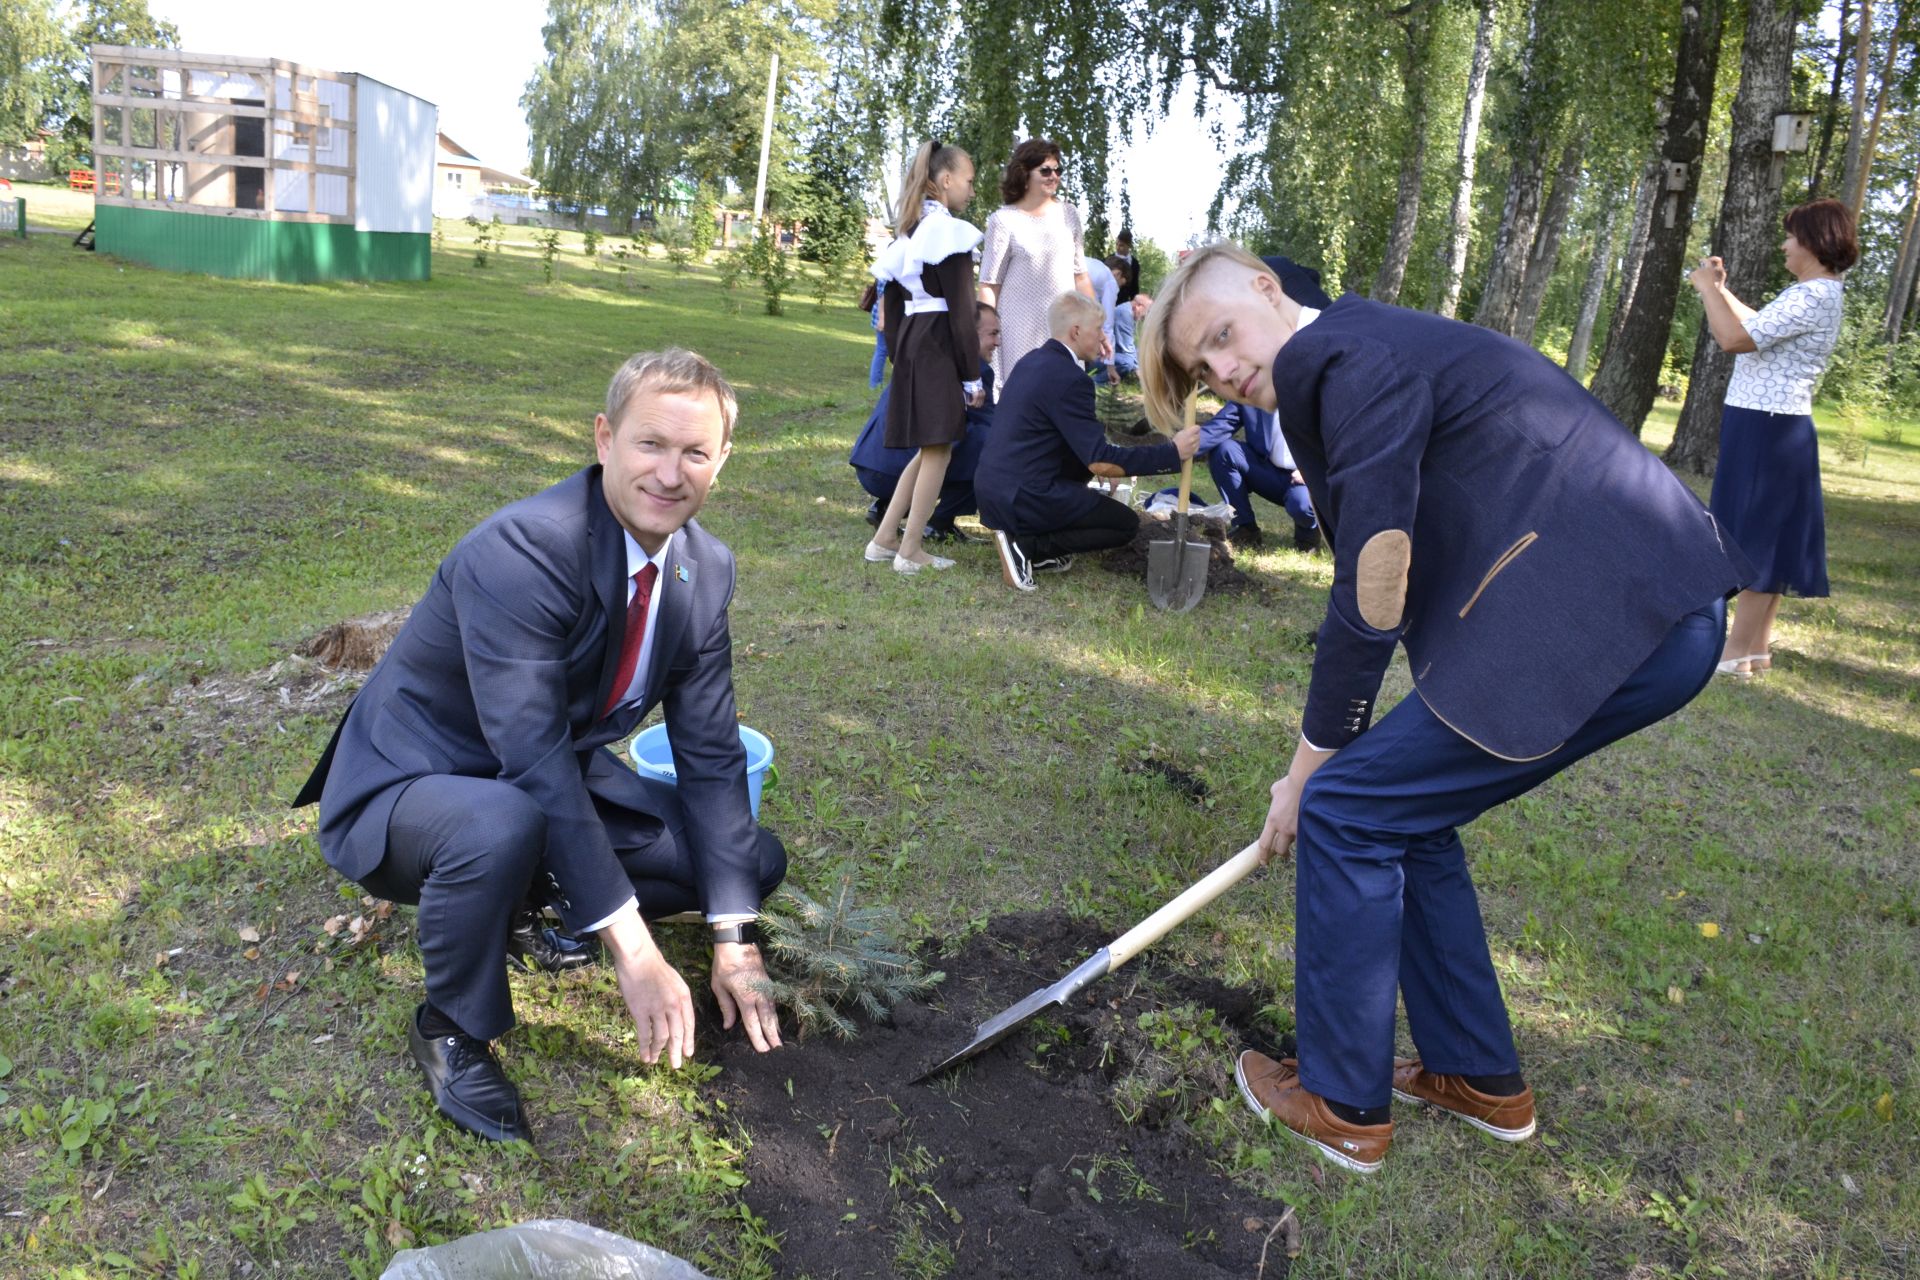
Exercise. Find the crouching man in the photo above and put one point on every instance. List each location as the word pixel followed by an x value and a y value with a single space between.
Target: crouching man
pixel 470 771
pixel 1046 442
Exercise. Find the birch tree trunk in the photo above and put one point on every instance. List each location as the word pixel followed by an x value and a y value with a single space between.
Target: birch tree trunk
pixel 1413 165
pixel 1630 372
pixel 1546 242
pixel 1830 116
pixel 1749 211
pixel 1636 253
pixel 1460 216
pixel 1519 218
pixel 1856 197
pixel 1904 270
pixel 1862 65
pixel 1594 289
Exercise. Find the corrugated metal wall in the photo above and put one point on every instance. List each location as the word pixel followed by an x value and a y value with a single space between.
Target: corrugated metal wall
pixel 256 249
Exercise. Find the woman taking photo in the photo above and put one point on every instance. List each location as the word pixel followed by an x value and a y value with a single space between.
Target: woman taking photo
pixel 1766 488
pixel 926 275
pixel 1032 253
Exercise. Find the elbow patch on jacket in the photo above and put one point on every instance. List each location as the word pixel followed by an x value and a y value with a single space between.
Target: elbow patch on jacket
pixel 1380 578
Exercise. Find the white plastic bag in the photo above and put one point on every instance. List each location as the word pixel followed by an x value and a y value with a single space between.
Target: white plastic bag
pixel 545 1249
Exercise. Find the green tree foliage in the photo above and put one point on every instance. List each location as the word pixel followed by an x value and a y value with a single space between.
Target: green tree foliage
pixel 116 22
pixel 30 43
pixel 598 111
pixel 46 71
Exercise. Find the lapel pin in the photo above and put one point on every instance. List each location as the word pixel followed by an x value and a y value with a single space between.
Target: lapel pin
pixel 680 572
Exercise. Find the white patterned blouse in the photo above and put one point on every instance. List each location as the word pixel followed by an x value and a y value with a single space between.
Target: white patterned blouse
pixel 1796 334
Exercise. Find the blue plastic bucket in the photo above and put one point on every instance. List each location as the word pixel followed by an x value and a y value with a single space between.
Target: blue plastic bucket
pixel 653 755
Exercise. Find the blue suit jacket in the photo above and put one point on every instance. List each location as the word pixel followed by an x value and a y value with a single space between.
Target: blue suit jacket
pixel 1550 552
pixel 870 450
pixel 1033 473
pixel 1259 426
pixel 501 672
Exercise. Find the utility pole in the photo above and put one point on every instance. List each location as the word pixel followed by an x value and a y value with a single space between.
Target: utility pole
pixel 766 146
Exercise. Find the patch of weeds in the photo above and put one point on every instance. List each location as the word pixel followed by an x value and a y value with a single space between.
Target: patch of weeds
pixel 1179 1071
pixel 1122 1176
pixel 918 1254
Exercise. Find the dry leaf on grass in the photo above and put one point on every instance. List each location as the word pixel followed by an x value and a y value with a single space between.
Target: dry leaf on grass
pixel 249 934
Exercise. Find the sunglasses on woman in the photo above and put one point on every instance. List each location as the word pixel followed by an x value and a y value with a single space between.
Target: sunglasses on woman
pixel 1048 171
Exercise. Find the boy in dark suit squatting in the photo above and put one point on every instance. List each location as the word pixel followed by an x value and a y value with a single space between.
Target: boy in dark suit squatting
pixel 472 766
pixel 1555 587
pixel 1047 437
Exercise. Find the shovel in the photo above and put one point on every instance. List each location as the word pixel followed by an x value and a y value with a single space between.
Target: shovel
pixel 1108 958
pixel 1177 570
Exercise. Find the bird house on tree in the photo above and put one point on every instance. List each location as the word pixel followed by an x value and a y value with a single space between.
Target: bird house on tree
pixel 260 168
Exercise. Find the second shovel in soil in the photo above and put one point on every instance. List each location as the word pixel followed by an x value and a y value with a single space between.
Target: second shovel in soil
pixel 1177 569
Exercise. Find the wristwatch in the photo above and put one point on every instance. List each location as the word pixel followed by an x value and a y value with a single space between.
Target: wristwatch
pixel 748 933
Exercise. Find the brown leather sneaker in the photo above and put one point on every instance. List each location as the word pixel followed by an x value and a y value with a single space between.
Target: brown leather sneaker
pixel 1508 1119
pixel 1274 1091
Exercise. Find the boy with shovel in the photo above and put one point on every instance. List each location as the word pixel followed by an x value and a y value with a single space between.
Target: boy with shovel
pixel 1556 589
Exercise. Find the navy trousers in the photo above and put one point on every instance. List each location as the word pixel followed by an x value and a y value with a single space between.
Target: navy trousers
pixel 465 850
pixel 1240 475
pixel 1383 900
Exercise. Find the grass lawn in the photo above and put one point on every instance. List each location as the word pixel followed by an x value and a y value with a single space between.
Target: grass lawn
pixel 197 1079
pixel 55 206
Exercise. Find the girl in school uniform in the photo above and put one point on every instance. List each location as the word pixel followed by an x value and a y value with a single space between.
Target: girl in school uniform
pixel 926 275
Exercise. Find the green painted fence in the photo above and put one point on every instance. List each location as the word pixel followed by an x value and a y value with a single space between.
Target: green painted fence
pixel 260 249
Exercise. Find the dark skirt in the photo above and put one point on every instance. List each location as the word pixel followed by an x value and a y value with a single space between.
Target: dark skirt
pixel 1766 496
pixel 925 405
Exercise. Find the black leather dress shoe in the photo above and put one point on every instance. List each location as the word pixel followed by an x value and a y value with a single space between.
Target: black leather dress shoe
pixel 468 1085
pixel 531 945
pixel 1305 539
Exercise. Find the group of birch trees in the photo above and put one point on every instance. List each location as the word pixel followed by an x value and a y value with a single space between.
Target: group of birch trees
pixel 1547 168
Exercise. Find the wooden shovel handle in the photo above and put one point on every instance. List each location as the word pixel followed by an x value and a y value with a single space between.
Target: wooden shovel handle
pixel 1160 923
pixel 1186 465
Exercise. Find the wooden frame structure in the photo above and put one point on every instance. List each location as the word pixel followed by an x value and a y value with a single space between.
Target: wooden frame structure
pixel 215 134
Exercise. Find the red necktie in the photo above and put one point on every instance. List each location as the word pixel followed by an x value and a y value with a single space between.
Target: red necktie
pixel 636 632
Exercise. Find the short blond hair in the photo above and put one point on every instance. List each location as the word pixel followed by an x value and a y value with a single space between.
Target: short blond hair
pixel 675 371
pixel 1071 308
pixel 1164 383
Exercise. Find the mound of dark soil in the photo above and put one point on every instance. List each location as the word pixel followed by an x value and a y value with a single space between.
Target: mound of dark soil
pixel 1014 1164
pixel 1221 573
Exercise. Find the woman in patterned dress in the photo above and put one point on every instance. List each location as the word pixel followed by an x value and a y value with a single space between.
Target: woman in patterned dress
pixel 1766 487
pixel 1032 253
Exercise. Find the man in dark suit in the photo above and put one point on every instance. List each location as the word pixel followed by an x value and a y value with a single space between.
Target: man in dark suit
pixel 472 766
pixel 1555 587
pixel 879 467
pixel 1261 465
pixel 1047 438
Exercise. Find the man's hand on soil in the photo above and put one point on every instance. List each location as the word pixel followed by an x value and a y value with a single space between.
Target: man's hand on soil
pixel 656 995
pixel 740 985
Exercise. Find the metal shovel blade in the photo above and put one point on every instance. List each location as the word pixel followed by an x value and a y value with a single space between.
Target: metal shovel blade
pixel 1177 570
pixel 1002 1024
pixel 1108 958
